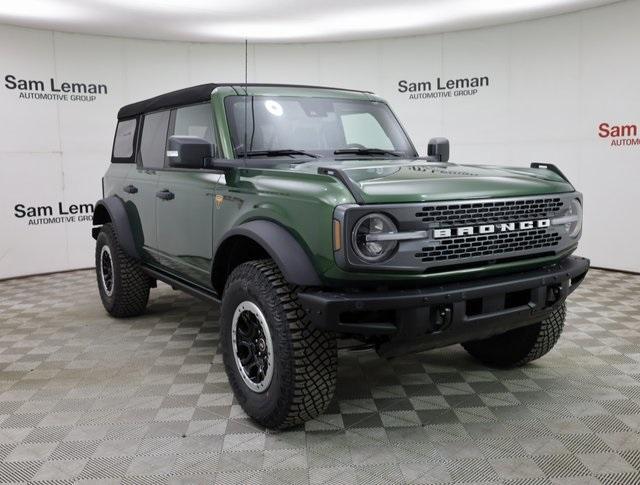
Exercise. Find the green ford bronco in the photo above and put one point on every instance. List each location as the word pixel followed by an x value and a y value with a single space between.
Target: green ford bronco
pixel 307 213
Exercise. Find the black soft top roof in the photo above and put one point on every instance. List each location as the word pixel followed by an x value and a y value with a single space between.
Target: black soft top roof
pixel 191 95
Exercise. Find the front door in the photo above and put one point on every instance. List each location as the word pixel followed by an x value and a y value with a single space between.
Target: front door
pixel 185 216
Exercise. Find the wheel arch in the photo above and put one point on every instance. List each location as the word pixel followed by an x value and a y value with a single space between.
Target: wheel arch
pixel 112 210
pixel 261 239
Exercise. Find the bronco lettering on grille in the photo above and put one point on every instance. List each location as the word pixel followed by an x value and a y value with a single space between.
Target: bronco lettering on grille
pixel 490 228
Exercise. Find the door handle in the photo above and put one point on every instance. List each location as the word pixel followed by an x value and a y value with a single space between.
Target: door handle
pixel 165 195
pixel 130 189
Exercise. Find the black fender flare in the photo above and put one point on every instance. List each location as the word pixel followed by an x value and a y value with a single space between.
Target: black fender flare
pixel 282 247
pixel 112 209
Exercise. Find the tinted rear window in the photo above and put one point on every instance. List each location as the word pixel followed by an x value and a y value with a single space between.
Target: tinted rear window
pixel 123 142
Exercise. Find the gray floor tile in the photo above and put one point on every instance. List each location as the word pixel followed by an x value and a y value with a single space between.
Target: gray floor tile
pixel 88 399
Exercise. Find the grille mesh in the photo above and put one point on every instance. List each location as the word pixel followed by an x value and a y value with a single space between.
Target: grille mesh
pixel 500 245
pixel 490 212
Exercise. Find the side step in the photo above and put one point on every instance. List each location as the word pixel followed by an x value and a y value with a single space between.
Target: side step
pixel 179 284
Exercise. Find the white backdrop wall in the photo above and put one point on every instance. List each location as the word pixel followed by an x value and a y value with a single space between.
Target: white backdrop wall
pixel 551 83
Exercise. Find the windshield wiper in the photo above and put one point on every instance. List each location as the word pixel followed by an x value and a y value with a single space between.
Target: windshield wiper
pixel 365 151
pixel 275 153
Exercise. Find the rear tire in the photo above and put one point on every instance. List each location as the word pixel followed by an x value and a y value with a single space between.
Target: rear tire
pixel 124 287
pixel 282 371
pixel 522 345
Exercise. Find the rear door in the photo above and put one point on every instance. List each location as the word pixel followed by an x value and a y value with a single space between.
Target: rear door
pixel 143 182
pixel 122 161
pixel 185 218
pixel 117 179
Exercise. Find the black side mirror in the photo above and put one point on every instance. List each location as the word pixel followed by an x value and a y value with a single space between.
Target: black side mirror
pixel 438 148
pixel 188 151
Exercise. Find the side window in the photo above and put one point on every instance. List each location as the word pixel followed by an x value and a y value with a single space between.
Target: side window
pixel 154 139
pixel 196 120
pixel 123 142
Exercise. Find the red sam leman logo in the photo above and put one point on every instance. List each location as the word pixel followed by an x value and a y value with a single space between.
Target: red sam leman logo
pixel 620 135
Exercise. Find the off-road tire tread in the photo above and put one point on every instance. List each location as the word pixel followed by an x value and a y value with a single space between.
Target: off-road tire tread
pixel 520 346
pixel 313 354
pixel 132 286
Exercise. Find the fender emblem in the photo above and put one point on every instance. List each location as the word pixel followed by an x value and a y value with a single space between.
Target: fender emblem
pixel 219 200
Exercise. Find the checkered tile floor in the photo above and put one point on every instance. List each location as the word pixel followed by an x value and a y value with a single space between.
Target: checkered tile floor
pixel 88 399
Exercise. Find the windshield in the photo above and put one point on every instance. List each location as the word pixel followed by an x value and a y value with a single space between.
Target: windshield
pixel 304 126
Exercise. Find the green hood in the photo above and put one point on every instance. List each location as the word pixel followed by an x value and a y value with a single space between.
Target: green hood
pixel 391 181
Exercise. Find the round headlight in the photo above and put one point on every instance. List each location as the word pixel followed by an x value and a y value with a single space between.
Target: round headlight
pixel 574 214
pixel 368 237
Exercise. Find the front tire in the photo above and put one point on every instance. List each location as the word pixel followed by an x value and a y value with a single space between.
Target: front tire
pixel 124 287
pixel 281 370
pixel 522 345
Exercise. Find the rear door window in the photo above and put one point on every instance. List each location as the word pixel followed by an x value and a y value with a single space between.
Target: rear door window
pixel 154 139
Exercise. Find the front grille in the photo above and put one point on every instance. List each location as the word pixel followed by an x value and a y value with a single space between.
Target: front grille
pixel 492 244
pixel 509 239
pixel 495 245
pixel 490 212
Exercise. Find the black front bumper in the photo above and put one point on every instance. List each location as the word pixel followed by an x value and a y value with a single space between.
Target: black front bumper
pixel 436 316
